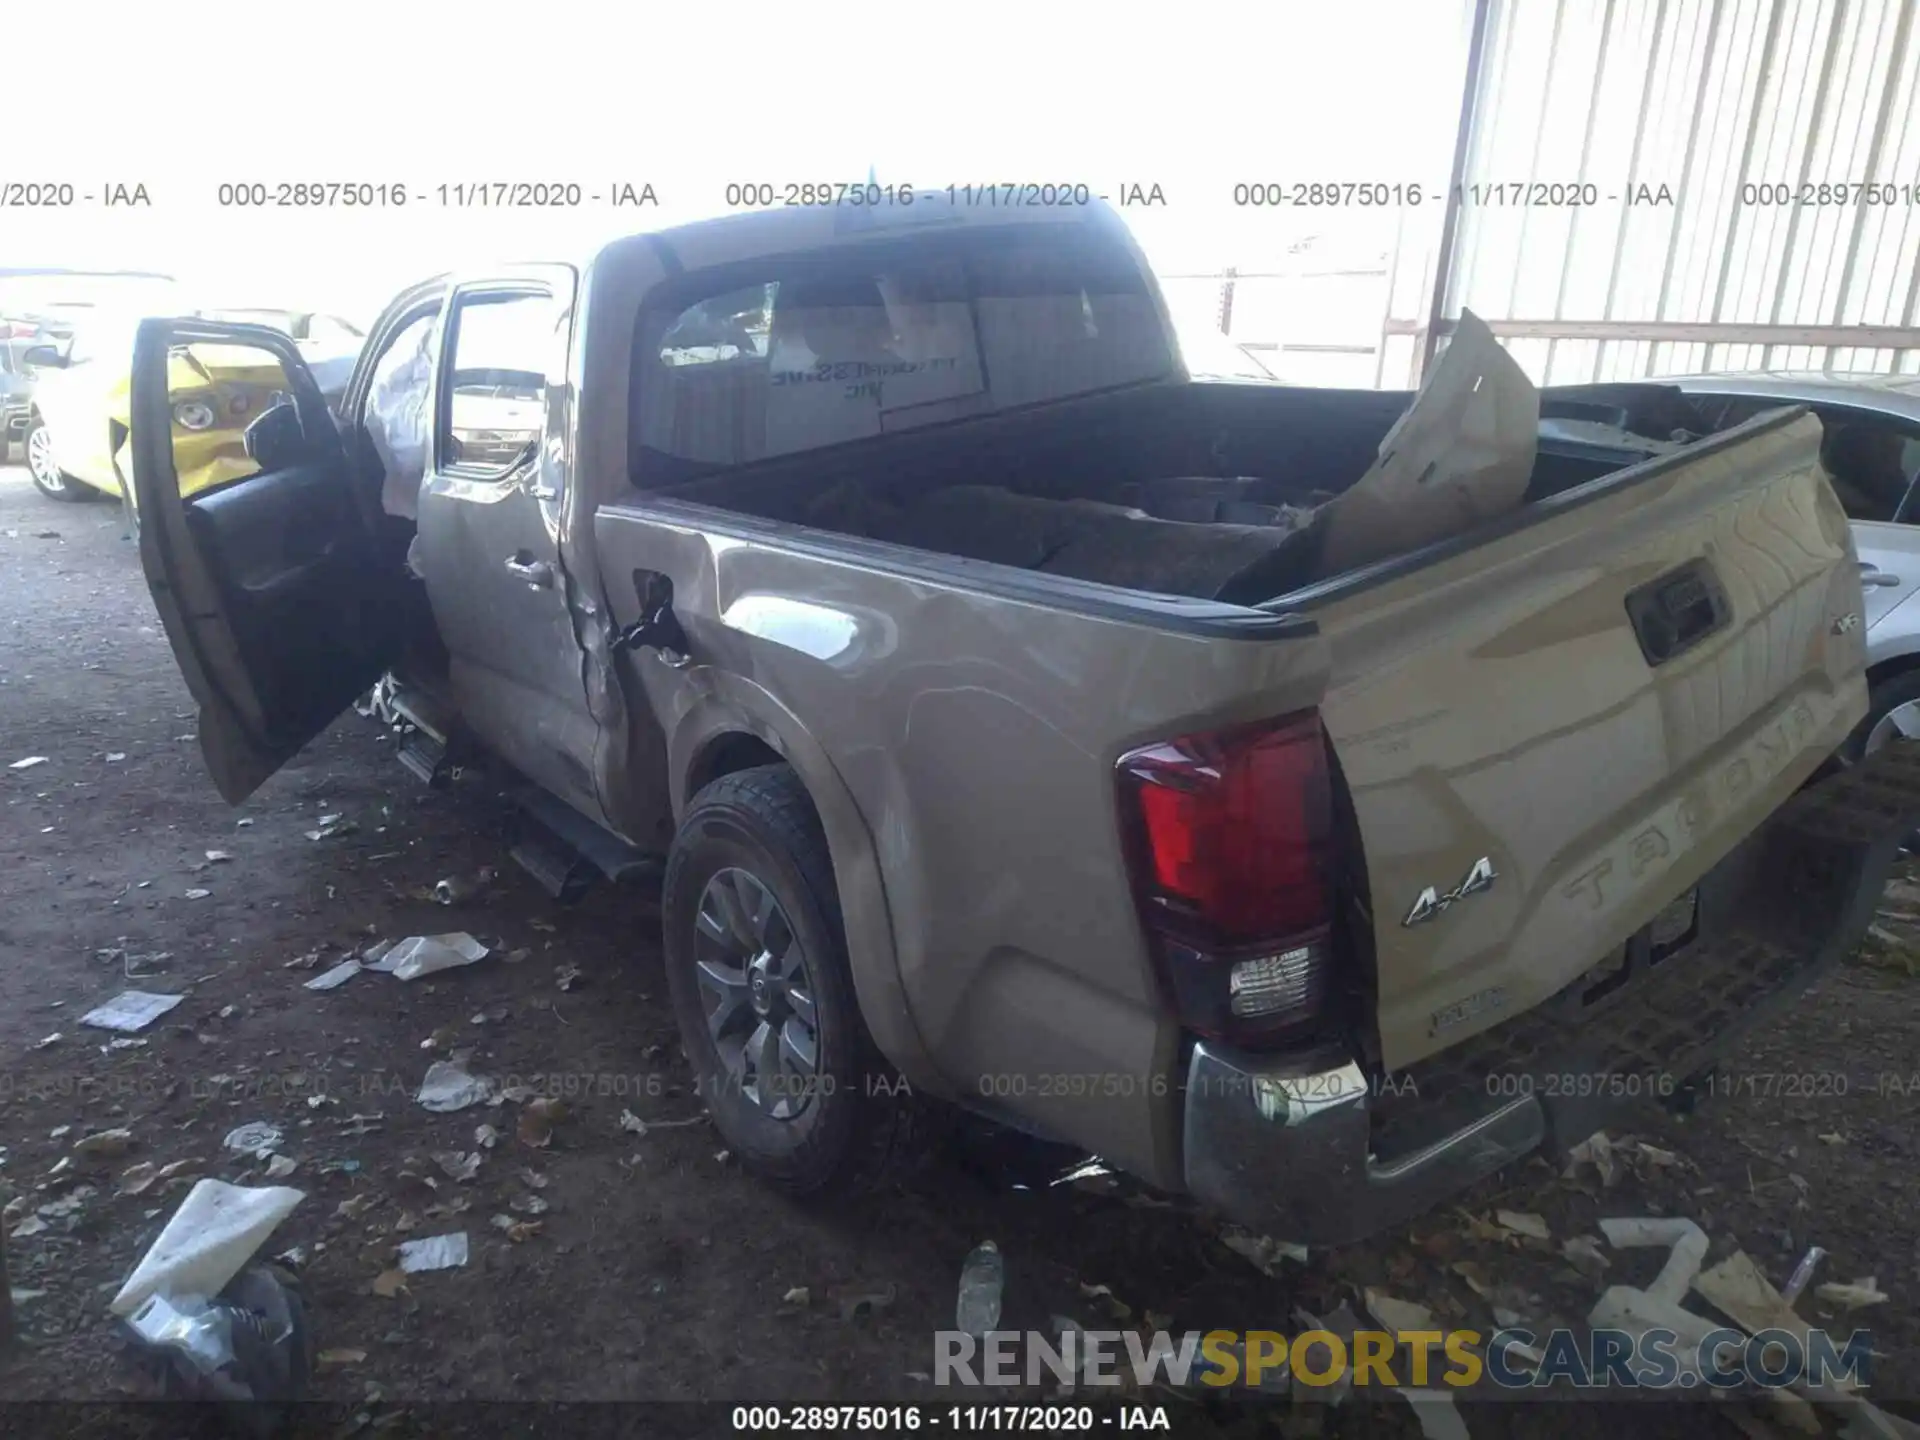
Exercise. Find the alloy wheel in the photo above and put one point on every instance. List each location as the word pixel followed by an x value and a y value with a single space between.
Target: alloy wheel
pixel 758 994
pixel 40 462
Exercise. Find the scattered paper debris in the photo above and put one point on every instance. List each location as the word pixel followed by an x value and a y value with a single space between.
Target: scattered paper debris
pixel 1857 1296
pixel 1519 1222
pixel 257 1137
pixel 456 1166
pixel 529 1204
pixel 336 977
pixel 138 1179
pixel 340 1357
pixel 517 1230
pixel 419 955
pixel 1738 1289
pixel 537 1120
pixel 632 1123
pixel 198 894
pixel 532 1178
pixel 1596 1150
pixel 486 1136
pixel 798 1295
pixel 447 1087
pixel 1396 1314
pixel 211 1236
pixel 281 1166
pixel 1583 1253
pixel 330 826
pixel 218 857
pixel 46 1040
pixel 32 1225
pixel 389 1283
pixel 435 1252
pixel 104 1144
pixel 115 756
pixel 130 1010
pixel 355 1207
pixel 1264 1251
pixel 565 976
pixel 28 763
pixel 1624 1307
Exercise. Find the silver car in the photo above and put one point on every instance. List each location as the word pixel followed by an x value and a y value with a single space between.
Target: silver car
pixel 1872 452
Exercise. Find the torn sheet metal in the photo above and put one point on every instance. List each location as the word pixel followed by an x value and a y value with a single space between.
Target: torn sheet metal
pixel 396 418
pixel 1461 455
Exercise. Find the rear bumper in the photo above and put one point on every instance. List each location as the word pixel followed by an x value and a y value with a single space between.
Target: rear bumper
pixel 1307 1149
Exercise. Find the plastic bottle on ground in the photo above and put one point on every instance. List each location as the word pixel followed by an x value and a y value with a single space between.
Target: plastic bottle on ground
pixel 981 1278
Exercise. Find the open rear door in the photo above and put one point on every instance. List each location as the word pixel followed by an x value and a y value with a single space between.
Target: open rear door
pixel 265 573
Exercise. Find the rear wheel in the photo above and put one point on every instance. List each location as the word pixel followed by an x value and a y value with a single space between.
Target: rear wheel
pixel 757 966
pixel 48 478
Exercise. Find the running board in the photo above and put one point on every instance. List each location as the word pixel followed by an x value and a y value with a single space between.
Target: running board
pixel 565 852
pixel 426 758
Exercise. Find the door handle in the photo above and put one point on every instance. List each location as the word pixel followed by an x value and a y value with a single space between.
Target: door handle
pixel 537 573
pixel 1873 575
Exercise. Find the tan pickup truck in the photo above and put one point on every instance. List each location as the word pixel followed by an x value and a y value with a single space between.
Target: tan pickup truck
pixel 1309 800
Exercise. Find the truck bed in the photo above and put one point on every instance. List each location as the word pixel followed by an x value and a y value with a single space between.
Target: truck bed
pixel 1201 491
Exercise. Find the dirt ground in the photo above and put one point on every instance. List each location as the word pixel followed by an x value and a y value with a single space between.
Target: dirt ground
pixel 658 1271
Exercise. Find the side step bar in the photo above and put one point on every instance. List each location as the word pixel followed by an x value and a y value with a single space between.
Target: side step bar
pixel 426 758
pixel 565 852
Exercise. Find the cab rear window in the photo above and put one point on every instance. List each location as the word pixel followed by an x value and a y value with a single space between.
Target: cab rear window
pixel 828 350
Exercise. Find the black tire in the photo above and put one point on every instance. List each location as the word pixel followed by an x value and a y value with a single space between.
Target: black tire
pixel 1883 698
pixel 854 1123
pixel 48 478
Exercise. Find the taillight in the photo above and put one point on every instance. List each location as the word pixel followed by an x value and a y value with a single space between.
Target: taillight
pixel 1228 842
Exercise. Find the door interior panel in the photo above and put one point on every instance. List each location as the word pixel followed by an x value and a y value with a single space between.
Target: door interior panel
pixel 308 607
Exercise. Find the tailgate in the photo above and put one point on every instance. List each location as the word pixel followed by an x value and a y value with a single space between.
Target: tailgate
pixel 1552 735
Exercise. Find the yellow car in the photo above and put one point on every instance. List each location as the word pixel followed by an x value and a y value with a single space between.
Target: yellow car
pixel 77 430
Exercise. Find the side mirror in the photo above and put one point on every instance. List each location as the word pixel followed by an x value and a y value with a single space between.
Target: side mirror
pixel 276 438
pixel 43 357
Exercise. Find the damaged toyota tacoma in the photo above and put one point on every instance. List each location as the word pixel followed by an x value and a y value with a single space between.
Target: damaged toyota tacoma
pixel 1307 800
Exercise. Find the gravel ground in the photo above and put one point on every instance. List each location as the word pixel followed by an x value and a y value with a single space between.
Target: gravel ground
pixel 653 1269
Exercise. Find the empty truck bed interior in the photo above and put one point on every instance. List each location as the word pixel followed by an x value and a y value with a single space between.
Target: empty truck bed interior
pixel 1192 490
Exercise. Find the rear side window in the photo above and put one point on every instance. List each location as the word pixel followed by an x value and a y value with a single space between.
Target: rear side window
pixel 824 351
pixel 495 404
pixel 1871 460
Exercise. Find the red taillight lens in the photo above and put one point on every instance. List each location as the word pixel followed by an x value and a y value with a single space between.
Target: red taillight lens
pixel 1229 848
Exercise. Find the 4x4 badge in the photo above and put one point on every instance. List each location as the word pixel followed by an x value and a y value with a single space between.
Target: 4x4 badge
pixel 1431 901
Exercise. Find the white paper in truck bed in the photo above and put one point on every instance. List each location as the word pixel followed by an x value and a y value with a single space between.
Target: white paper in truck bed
pixel 1460 456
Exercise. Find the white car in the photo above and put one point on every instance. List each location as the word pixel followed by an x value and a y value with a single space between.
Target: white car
pixel 1872 452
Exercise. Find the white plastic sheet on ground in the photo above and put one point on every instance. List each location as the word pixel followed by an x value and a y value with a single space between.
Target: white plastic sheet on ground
pixel 216 1230
pixel 419 955
pixel 130 1010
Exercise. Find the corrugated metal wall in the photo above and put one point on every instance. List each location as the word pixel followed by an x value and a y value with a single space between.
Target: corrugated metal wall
pixel 1682 117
